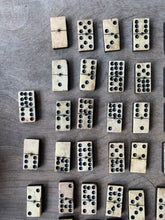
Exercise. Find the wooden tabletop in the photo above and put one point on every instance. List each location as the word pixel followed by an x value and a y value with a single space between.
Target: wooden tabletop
pixel 25 64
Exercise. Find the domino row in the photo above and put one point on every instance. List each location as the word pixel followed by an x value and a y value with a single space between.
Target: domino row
pixel 141 114
pixel 111 34
pixel 114 201
pixel 85 163
pixel 116 76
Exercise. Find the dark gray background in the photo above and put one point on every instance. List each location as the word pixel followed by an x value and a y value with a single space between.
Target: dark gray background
pixel 25 64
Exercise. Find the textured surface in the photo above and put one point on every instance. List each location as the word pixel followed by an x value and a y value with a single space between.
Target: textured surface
pixel 25 64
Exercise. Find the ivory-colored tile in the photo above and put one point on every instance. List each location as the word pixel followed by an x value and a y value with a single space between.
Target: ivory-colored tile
pixel 143 77
pixel 116 157
pixel 66 197
pixel 116 76
pixel 141 117
pixel 114 117
pixel 58 32
pixel 63 115
pixel 85 113
pixel 141 34
pixel 62 157
pixel 26 100
pixel 31 154
pixel 85 35
pixel 139 157
pixel 136 205
pixel 114 200
pixel 160 204
pixel 88 71
pixel 88 199
pixel 59 75
pixel 34 201
pixel 111 34
pixel 84 156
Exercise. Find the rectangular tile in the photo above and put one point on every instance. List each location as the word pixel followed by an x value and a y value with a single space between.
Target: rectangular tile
pixel 58 32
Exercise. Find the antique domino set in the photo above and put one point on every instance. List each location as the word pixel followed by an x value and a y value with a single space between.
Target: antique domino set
pixel 84 153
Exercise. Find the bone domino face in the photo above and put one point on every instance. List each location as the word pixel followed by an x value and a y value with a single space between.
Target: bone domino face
pixel 85 35
pixel 141 34
pixel 114 200
pixel 111 34
pixel 27 112
pixel 34 201
pixel 66 197
pixel 58 32
pixel 141 117
pixel 88 199
pixel 85 113
pixel 136 205
pixel 160 203
pixel 31 154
